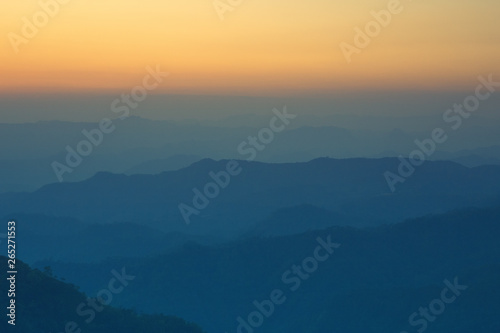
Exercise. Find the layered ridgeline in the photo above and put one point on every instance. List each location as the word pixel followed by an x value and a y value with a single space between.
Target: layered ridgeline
pixel 44 304
pixel 147 214
pixel 437 274
pixel 27 151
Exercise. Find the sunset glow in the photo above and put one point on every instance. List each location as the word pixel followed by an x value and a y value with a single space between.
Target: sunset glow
pixel 259 47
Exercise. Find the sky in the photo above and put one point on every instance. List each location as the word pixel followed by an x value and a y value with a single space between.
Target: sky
pixel 261 47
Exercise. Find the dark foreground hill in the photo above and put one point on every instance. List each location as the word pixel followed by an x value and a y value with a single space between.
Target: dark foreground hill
pixel 44 304
pixel 340 279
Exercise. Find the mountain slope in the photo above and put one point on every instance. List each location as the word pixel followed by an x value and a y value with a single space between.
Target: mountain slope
pixel 355 188
pixel 44 304
pixel 372 282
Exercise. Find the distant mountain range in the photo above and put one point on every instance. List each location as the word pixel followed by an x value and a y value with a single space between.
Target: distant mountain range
pixel 373 281
pixel 143 146
pixel 142 211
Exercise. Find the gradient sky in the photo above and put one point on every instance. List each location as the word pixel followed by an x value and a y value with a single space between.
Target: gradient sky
pixel 262 47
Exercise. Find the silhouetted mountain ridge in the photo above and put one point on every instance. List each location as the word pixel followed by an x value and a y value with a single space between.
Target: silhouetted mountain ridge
pixel 378 275
pixel 354 188
pixel 44 304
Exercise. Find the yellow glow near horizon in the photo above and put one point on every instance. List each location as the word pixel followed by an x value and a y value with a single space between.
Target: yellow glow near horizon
pixel 260 47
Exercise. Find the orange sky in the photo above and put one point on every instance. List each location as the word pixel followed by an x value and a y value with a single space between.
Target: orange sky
pixel 271 47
